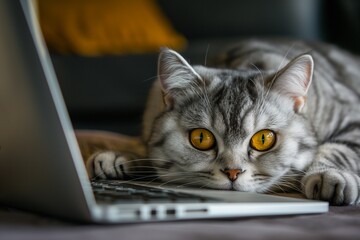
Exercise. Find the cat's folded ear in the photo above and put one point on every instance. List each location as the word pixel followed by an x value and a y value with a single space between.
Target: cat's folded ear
pixel 294 80
pixel 176 75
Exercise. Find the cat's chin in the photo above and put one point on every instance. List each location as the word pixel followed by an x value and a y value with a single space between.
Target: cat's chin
pixel 242 188
pixel 233 186
pixel 246 187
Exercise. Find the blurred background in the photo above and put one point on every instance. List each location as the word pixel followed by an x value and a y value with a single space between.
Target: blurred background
pixel 105 52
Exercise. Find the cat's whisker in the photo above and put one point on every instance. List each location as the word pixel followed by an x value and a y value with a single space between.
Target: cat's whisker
pixel 151 78
pixel 293 182
pixel 130 167
pixel 204 185
pixel 147 167
pixel 140 178
pixel 290 180
pixel 152 160
pixel 270 191
pixel 189 183
pixel 263 81
pixel 280 67
pixel 140 167
pixel 171 181
pixel 278 186
pixel 157 176
pixel 206 54
pixel 291 189
pixel 261 105
pixel 183 174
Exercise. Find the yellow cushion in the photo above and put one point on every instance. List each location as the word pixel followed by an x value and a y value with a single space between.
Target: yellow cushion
pixel 95 27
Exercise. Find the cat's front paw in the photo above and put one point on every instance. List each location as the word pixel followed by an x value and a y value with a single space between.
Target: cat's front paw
pixel 332 185
pixel 108 165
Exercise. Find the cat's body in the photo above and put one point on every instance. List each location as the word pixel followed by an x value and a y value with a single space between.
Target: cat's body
pixel 265 119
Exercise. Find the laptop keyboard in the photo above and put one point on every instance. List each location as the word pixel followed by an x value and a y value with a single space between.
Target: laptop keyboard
pixel 108 191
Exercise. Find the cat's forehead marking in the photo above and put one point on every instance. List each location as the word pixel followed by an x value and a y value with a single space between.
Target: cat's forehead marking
pixel 236 108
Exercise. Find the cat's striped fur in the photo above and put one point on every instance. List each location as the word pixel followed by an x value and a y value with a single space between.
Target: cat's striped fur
pixel 308 94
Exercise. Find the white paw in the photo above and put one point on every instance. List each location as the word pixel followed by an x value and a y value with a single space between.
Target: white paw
pixel 108 165
pixel 335 186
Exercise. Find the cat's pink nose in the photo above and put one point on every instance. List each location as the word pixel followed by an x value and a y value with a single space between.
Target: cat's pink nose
pixel 232 174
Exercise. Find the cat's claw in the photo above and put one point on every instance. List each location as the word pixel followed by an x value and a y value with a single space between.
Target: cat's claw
pixel 332 185
pixel 107 165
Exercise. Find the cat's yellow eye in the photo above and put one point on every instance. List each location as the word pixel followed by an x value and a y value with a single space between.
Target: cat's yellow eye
pixel 263 140
pixel 202 139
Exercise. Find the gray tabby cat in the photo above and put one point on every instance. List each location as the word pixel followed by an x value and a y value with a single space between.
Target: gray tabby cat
pixel 267 118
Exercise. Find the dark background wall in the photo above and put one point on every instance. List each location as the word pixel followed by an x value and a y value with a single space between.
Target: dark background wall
pixel 109 92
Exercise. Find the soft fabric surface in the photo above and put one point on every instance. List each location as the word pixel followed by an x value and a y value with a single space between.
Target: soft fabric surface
pixel 92 27
pixel 339 223
pixel 92 141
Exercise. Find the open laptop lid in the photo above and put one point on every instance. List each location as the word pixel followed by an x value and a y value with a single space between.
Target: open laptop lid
pixel 41 165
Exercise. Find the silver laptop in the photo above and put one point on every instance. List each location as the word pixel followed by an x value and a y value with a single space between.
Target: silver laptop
pixel 41 168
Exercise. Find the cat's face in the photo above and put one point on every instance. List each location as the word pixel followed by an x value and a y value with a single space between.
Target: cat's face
pixel 231 129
